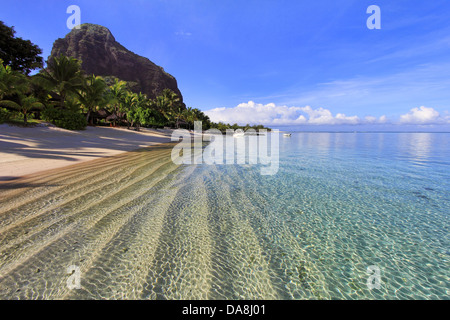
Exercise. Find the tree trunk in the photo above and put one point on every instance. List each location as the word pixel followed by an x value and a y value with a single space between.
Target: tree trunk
pixel 25 118
pixel 62 99
pixel 115 113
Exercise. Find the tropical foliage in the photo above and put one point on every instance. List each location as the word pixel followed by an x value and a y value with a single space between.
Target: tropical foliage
pixel 93 95
pixel 63 95
pixel 63 77
pixel 21 55
pixel 11 82
pixel 24 104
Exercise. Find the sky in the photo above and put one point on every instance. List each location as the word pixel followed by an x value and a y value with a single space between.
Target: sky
pixel 297 65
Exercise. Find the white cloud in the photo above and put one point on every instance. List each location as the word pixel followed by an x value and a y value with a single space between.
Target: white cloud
pixel 324 116
pixel 425 84
pixel 271 114
pixel 183 33
pixel 375 120
pixel 370 119
pixel 423 115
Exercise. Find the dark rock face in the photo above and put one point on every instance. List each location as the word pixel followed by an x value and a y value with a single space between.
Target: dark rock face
pixel 102 55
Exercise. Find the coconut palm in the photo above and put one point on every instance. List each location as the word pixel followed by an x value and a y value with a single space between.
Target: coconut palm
pixel 146 113
pixel 170 105
pixel 189 116
pixel 130 103
pixel 63 76
pixel 11 82
pixel 117 93
pixel 193 114
pixel 206 122
pixel 93 95
pixel 172 99
pixel 24 104
pixel 137 112
pixel 161 103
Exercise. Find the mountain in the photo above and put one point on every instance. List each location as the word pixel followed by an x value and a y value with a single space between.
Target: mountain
pixel 102 55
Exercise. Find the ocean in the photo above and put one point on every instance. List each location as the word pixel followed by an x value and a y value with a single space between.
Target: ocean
pixel 346 216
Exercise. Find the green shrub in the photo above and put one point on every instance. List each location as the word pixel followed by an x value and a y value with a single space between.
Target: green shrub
pixel 72 121
pixel 16 115
pixel 66 119
pixel 50 114
pixel 5 115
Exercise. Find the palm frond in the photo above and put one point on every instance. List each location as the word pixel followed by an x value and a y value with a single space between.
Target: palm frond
pixel 10 104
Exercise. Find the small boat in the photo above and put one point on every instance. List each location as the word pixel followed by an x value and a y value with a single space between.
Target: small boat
pixel 286 134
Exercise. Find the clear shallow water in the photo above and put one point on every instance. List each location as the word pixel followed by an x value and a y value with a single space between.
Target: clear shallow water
pixel 140 227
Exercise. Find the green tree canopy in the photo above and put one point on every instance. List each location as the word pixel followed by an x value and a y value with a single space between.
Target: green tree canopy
pixel 21 55
pixel 24 104
pixel 117 94
pixel 63 76
pixel 93 95
pixel 11 82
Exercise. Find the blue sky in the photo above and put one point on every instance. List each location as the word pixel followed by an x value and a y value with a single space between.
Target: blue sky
pixel 296 63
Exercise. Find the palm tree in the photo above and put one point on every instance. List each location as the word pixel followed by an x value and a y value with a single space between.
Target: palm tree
pixel 24 105
pixel 63 76
pixel 153 115
pixel 189 116
pixel 11 82
pixel 169 104
pixel 162 105
pixel 117 92
pixel 140 111
pixel 172 99
pixel 37 90
pixel 92 95
pixel 130 101
pixel 198 115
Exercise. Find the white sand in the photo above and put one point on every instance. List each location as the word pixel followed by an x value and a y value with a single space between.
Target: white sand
pixel 24 151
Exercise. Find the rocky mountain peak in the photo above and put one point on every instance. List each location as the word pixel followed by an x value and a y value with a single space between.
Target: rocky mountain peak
pixel 102 55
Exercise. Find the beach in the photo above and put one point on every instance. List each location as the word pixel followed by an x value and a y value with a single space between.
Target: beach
pixel 137 226
pixel 28 150
pixel 200 151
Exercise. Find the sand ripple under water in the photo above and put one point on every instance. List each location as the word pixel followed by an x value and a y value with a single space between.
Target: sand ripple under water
pixel 140 227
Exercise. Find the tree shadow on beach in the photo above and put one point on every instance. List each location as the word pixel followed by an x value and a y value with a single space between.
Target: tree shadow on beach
pixel 69 145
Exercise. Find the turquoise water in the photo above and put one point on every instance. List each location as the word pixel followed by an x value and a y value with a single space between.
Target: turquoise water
pixel 341 202
pixel 140 227
pixel 357 199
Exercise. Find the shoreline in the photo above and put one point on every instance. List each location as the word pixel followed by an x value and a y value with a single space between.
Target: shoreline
pixel 27 151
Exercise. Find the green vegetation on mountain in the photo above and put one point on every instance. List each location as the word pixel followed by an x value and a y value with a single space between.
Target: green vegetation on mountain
pixel 67 95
